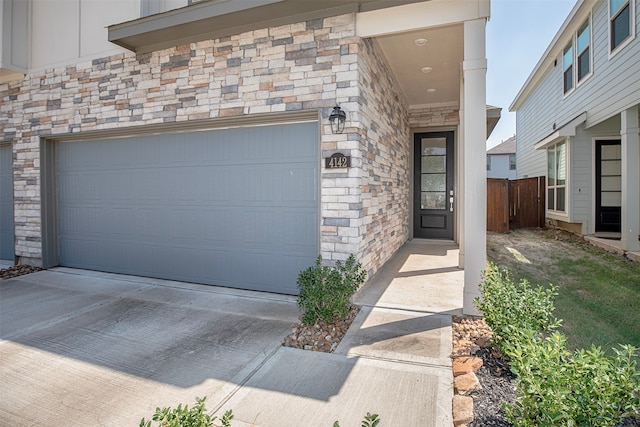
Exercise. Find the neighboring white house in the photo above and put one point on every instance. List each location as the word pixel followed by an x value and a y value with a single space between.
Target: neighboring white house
pixel 191 140
pixel 577 121
pixel 501 160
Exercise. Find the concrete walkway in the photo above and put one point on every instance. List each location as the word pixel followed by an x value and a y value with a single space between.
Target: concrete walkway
pixel 83 348
pixel 394 360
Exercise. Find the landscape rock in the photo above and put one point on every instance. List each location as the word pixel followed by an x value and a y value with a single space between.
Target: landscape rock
pixel 464 365
pixel 462 410
pixel 467 383
pixel 321 336
pixel 17 270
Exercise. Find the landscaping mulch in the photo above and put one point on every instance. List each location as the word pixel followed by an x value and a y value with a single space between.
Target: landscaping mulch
pixel 321 336
pixel 18 270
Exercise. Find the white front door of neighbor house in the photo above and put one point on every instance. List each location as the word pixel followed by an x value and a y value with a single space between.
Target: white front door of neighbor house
pixel 7 251
pixel 231 207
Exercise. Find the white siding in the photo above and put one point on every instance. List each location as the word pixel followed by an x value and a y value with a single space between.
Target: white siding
pixel 82 37
pixel 533 123
pixel 613 87
pixel 500 167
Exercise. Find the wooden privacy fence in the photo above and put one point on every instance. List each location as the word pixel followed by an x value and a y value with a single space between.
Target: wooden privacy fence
pixel 519 203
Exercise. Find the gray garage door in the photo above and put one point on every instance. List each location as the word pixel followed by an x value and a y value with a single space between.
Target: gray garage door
pixel 6 204
pixel 232 207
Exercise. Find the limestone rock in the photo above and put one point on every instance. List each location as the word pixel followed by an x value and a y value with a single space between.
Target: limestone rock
pixel 462 410
pixel 464 365
pixel 467 383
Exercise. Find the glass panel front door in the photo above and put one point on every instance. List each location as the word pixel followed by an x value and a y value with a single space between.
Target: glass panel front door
pixel 433 215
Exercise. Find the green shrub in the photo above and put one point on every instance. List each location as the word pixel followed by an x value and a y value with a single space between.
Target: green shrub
pixel 325 291
pixel 370 420
pixel 509 306
pixel 182 416
pixel 555 387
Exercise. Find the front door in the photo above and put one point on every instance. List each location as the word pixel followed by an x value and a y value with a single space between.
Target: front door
pixel 433 185
pixel 608 185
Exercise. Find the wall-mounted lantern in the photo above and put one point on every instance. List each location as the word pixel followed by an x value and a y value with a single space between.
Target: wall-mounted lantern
pixel 337 119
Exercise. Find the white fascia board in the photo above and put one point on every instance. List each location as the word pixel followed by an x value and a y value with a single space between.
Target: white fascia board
pixel 552 50
pixel 566 130
pixel 416 16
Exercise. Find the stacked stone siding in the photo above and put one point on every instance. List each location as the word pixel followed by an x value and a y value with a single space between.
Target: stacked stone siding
pixel 434 116
pixel 311 65
pixel 305 66
pixel 386 168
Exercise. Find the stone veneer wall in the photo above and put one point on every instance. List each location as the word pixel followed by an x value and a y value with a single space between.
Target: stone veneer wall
pixel 386 170
pixel 434 116
pixel 304 66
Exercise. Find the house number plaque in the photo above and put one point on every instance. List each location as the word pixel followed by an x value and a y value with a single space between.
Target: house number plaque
pixel 337 161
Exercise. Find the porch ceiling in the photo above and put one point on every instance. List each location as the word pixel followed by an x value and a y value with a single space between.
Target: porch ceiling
pixel 443 53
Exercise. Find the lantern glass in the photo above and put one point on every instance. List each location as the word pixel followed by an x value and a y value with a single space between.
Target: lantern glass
pixel 337 119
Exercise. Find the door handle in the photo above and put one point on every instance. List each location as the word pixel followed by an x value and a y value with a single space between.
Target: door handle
pixel 450 200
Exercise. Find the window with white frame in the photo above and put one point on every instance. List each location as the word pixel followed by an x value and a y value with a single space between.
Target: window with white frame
pixel 488 163
pixel 583 50
pixel 577 52
pixel 621 22
pixel 567 67
pixel 512 162
pixel 557 177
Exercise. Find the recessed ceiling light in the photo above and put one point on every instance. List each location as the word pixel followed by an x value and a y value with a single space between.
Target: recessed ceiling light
pixel 431 90
pixel 426 70
pixel 420 42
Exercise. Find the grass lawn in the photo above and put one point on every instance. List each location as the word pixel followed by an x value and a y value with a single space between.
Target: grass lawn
pixel 599 293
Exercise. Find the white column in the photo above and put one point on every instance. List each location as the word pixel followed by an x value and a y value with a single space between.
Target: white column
pixel 474 130
pixel 630 179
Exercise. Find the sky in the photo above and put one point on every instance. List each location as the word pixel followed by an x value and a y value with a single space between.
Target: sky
pixel 518 33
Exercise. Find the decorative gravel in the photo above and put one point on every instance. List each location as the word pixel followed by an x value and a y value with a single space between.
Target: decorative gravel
pixel 17 270
pixel 321 336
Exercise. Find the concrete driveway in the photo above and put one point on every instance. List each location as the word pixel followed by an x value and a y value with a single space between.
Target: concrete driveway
pixel 91 349
pixel 81 348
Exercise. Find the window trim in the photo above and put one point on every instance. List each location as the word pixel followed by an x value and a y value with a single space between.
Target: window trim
pixel 589 22
pixel 512 163
pixel 566 91
pixel 632 27
pixel 551 213
pixel 573 45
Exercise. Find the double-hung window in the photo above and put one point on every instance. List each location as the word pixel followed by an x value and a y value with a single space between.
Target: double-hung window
pixel 557 177
pixel 577 52
pixel 583 51
pixel 567 67
pixel 512 162
pixel 621 22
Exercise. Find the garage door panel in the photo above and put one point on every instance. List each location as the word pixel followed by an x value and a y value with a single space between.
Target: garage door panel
pixel 6 204
pixel 233 207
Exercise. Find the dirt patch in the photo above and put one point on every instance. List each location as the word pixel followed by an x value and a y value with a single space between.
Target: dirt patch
pixel 532 252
